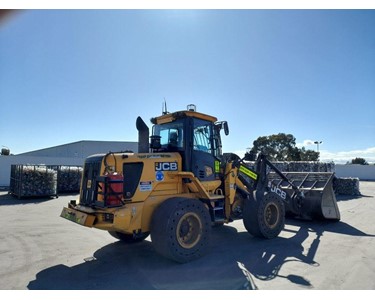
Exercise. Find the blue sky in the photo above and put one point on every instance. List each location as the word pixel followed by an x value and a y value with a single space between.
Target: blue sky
pixel 69 75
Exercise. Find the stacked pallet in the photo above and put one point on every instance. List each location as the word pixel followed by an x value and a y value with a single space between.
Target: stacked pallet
pixel 69 178
pixel 42 180
pixel 346 186
pixel 33 180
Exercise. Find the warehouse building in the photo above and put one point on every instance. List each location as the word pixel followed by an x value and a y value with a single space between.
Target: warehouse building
pixel 72 154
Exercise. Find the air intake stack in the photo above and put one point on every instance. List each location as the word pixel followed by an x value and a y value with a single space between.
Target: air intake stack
pixel 143 136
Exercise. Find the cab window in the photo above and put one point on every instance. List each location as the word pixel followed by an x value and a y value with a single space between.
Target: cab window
pixel 171 135
pixel 202 136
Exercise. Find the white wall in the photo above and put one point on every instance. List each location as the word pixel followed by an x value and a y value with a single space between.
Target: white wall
pixel 360 171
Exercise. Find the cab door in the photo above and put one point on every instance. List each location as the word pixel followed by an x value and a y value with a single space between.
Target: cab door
pixel 205 165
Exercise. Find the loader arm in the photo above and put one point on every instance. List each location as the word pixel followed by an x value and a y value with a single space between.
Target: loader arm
pixel 262 161
pixel 293 200
pixel 307 195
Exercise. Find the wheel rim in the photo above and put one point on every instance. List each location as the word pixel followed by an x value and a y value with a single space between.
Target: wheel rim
pixel 271 215
pixel 189 230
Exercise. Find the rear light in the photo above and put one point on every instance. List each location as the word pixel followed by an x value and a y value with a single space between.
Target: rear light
pixel 108 218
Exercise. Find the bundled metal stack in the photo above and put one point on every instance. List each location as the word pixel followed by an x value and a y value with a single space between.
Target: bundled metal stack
pixel 33 180
pixel 300 166
pixel 69 178
pixel 282 166
pixel 346 186
pixel 310 166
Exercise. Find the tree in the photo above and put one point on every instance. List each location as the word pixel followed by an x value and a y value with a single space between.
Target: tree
pixel 280 147
pixel 359 161
pixel 308 155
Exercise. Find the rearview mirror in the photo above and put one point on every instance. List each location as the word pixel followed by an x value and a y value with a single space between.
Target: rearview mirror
pixel 226 128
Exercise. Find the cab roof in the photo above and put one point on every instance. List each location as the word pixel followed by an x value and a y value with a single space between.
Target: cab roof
pixel 170 117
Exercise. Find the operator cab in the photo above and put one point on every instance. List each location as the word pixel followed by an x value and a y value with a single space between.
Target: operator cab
pixel 195 136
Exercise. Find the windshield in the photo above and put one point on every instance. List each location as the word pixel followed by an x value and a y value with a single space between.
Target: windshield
pixel 205 136
pixel 171 135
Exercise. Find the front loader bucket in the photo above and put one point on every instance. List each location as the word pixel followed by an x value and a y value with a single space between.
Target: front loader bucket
pixel 319 198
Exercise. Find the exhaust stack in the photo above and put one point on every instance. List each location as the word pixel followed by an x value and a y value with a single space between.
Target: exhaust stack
pixel 143 136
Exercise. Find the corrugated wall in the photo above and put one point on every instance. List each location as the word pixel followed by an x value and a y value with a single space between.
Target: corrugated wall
pixel 73 154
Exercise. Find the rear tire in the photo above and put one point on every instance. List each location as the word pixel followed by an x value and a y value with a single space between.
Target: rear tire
pixel 180 229
pixel 128 238
pixel 264 218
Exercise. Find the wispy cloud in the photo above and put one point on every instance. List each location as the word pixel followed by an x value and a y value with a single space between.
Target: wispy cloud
pixel 346 156
pixel 305 143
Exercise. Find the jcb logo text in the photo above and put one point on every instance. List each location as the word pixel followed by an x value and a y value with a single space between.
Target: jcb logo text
pixel 166 166
pixel 277 191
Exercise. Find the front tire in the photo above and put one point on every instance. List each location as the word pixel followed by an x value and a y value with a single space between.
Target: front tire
pixel 180 229
pixel 264 217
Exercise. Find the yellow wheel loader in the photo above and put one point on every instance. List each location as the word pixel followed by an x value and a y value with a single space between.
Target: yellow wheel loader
pixel 180 184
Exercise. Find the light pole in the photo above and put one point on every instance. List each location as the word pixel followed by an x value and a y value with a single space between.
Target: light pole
pixel 317 145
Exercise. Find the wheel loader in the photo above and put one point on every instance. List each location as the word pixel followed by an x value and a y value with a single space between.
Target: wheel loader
pixel 180 184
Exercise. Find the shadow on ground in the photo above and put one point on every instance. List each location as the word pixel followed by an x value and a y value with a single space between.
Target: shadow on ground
pixel 9 199
pixel 235 260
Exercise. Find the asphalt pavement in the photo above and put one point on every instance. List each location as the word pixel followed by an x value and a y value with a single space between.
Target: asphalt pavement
pixel 39 250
